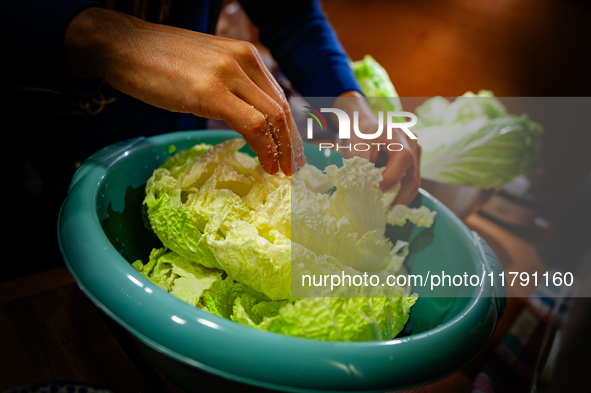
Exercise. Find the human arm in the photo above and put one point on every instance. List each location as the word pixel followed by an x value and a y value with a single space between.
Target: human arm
pixel 167 67
pixel 189 72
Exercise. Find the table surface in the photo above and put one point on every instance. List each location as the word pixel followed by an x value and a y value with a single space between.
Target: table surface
pixel 50 331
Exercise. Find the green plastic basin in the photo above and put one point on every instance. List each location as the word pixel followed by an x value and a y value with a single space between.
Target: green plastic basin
pixel 100 232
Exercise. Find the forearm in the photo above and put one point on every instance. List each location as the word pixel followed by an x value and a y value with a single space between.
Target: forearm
pixel 90 38
pixel 186 71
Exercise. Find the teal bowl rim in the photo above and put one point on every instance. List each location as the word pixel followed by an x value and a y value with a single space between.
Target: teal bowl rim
pixel 197 338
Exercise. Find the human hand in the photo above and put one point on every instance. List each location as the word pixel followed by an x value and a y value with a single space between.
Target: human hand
pixel 401 166
pixel 189 72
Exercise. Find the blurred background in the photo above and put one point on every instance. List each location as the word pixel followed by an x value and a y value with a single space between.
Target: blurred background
pixel 526 48
pixel 447 47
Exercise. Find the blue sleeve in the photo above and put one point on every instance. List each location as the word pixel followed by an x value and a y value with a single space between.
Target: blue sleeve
pixel 33 45
pixel 304 44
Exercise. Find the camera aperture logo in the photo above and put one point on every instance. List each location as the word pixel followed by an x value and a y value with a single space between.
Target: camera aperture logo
pixel 393 120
